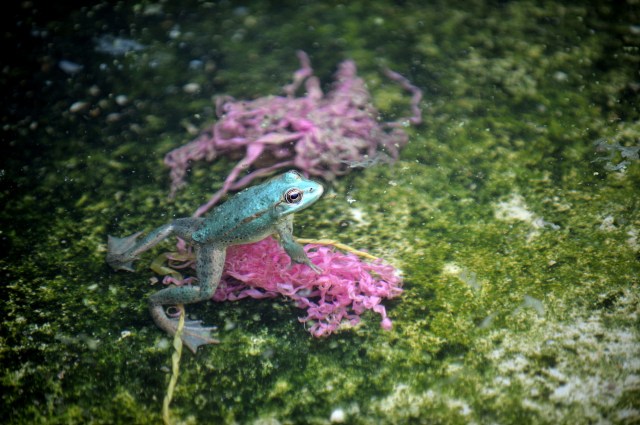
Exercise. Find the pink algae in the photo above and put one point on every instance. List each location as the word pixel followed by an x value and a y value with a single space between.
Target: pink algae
pixel 320 134
pixel 338 296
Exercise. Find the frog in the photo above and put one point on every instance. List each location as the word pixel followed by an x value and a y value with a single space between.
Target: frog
pixel 249 216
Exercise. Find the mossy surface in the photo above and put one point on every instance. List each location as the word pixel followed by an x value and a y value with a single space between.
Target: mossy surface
pixel 514 224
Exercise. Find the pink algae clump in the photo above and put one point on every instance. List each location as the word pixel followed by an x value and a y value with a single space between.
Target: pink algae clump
pixel 345 289
pixel 320 134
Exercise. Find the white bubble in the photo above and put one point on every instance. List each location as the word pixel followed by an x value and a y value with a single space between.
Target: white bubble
pixel 338 416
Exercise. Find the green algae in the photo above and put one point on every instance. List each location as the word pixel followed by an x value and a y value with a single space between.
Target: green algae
pixel 519 247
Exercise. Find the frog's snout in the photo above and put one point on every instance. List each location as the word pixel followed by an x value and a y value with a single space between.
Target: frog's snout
pixel 315 191
pixel 318 189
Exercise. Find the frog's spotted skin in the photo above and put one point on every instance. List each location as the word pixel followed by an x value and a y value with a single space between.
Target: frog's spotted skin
pixel 250 216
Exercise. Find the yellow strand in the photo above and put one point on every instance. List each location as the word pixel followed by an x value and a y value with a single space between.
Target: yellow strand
pixel 338 245
pixel 175 367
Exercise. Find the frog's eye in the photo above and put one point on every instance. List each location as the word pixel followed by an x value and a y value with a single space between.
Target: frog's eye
pixel 293 196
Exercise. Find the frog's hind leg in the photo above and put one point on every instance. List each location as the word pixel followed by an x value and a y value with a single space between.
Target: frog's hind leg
pixel 122 252
pixel 209 265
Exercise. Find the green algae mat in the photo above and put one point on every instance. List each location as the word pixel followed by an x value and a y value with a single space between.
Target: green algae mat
pixel 512 213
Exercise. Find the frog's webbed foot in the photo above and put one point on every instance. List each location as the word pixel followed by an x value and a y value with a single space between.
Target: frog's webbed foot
pixel 194 335
pixel 117 249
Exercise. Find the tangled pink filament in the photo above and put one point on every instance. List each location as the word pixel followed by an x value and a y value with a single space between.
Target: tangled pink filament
pixel 320 134
pixel 345 289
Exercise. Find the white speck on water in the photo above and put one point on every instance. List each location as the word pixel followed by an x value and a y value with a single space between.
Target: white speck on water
pixel 69 67
pixel 560 76
pixel 196 64
pixel 116 46
pixel 451 268
pixel 163 344
pixel 191 88
pixel 78 106
pixel 122 99
pixel 358 216
pixel 175 32
pixel 338 416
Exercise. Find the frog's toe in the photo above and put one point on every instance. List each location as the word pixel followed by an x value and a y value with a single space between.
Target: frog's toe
pixel 194 335
pixel 116 250
pixel 312 266
pixel 315 268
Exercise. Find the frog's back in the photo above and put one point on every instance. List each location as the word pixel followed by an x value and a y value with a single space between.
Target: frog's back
pixel 252 214
pixel 246 217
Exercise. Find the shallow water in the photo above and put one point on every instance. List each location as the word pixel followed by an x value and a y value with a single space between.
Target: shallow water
pixel 512 213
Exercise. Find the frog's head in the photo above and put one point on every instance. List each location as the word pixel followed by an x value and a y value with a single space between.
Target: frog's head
pixel 296 192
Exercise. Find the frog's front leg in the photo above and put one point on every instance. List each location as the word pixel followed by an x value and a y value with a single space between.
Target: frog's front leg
pixel 122 252
pixel 293 248
pixel 209 265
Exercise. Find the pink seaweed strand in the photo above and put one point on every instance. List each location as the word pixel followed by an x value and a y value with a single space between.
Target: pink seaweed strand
pixel 346 288
pixel 320 134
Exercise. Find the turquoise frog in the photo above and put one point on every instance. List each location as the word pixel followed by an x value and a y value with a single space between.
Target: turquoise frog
pixel 249 216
